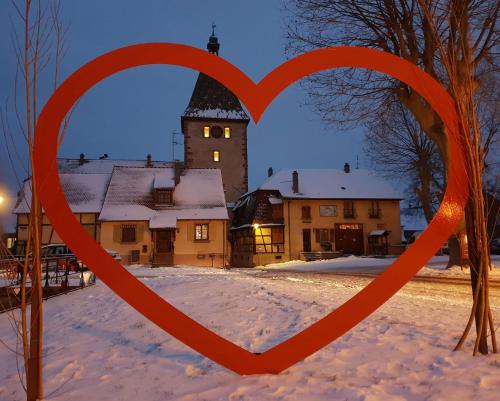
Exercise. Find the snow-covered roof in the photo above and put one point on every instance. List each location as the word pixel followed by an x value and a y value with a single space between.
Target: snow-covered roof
pixel 211 99
pixel 102 166
pixel 331 184
pixel 164 179
pixel 84 192
pixel 199 195
pixel 274 200
pixel 378 233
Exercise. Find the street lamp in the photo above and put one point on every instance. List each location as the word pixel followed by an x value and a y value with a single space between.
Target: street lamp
pixel 2 200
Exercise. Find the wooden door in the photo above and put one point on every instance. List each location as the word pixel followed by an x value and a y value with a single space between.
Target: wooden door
pixel 164 249
pixel 306 240
pixel 349 238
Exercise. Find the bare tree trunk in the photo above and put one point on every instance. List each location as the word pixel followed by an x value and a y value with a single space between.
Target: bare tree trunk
pixel 455 254
pixel 40 20
pixel 34 380
pixel 476 283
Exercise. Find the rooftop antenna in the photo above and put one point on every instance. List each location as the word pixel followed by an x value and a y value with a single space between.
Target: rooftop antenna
pixel 174 142
pixel 357 162
pixel 213 29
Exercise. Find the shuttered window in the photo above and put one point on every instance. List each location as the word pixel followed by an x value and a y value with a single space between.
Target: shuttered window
pixel 128 233
pixel 306 213
pixel 324 234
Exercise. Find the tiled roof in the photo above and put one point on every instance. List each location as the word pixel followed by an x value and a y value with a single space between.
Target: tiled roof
pixel 199 195
pixel 84 192
pixel 102 166
pixel 331 184
pixel 211 99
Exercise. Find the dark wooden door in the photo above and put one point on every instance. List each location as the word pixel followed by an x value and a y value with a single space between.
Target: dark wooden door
pixel 306 240
pixel 349 238
pixel 164 249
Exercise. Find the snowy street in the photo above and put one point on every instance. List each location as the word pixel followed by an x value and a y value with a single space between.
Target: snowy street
pixel 96 347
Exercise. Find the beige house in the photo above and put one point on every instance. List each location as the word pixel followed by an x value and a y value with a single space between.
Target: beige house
pixel 84 193
pixel 304 214
pixel 148 211
pixel 166 216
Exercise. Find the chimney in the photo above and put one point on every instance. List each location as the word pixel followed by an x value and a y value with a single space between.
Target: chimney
pixel 149 162
pixel 82 159
pixel 295 182
pixel 270 172
pixel 347 168
pixel 177 171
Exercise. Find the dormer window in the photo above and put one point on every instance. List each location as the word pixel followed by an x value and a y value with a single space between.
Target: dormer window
pixel 164 196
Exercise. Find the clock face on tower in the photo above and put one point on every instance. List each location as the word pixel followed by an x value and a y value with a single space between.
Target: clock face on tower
pixel 216 131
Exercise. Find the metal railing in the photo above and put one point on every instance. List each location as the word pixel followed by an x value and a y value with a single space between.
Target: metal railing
pixel 61 270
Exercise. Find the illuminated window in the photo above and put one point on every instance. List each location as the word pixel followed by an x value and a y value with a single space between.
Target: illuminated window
pixel 216 156
pixel 201 232
pixel 206 132
pixel 269 240
pixel 227 132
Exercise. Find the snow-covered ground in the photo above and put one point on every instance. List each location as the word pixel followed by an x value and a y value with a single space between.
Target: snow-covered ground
pixel 98 348
pixel 355 264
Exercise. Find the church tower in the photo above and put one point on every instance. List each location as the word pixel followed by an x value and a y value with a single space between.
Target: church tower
pixel 215 131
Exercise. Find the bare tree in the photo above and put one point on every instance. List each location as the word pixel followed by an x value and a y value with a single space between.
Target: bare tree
pixel 458 59
pixel 427 34
pixel 37 44
pixel 397 147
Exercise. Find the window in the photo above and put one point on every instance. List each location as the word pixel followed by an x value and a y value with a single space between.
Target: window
pixel 349 211
pixel 328 210
pixel 306 213
pixel 206 131
pixel 128 233
pixel 201 232
pixel 227 132
pixel 216 156
pixel 269 240
pixel 324 234
pixel 164 196
pixel 374 210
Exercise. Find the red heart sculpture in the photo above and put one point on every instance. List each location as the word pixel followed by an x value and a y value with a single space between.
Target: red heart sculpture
pixel 256 98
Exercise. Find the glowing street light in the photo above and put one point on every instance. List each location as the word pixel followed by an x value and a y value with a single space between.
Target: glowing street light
pixel 2 200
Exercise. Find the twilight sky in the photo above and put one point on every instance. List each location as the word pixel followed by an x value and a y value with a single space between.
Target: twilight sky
pixel 135 112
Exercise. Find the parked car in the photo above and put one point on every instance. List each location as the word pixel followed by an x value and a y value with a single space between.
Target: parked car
pixel 65 257
pixel 56 250
pixel 114 254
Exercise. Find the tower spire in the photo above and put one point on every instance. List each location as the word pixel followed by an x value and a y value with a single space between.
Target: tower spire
pixel 213 43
